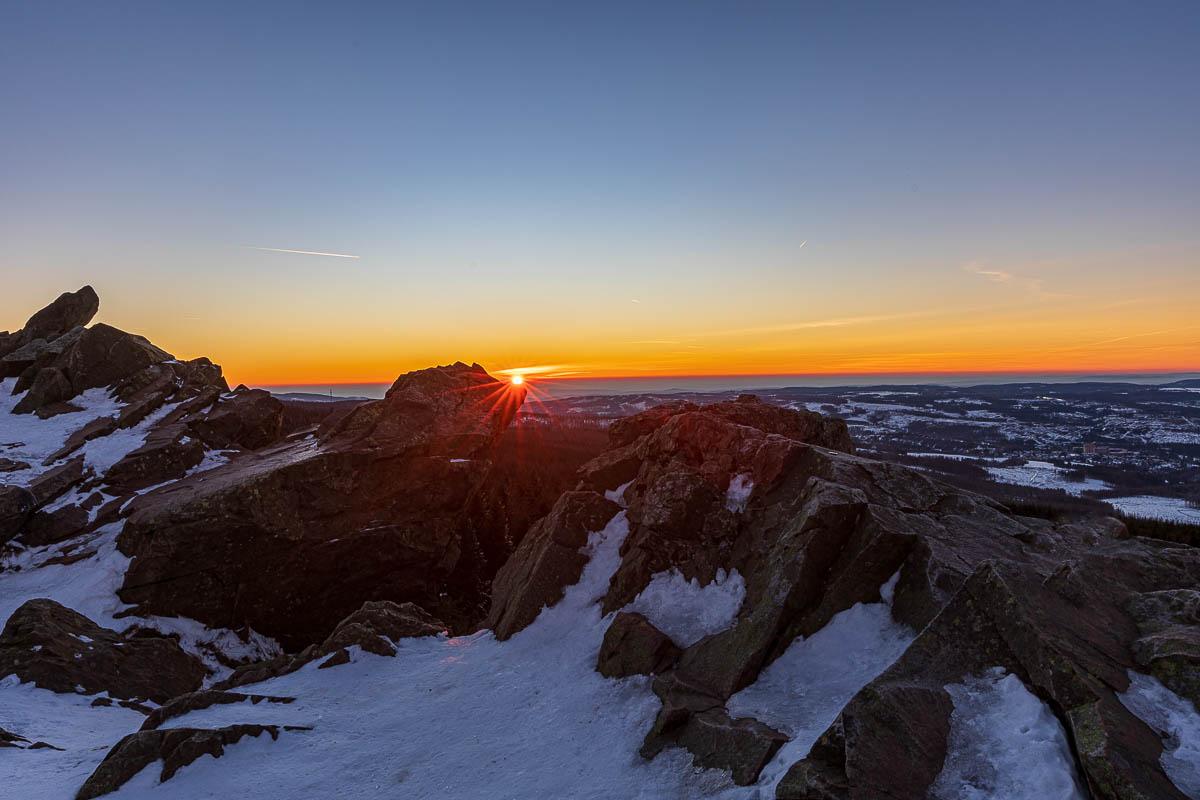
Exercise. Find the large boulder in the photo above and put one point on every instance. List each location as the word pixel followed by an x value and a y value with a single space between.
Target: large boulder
pixel 69 310
pixel 291 539
pixel 49 645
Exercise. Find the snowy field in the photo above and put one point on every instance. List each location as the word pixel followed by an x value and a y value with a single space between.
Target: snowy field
pixel 1171 509
pixel 1044 475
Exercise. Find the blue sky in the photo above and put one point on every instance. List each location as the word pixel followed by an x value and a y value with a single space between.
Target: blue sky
pixel 497 156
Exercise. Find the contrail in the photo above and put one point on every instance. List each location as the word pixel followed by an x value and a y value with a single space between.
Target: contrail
pixel 300 252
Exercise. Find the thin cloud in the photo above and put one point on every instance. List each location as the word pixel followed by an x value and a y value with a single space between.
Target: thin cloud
pixel 835 322
pixel 996 275
pixel 300 252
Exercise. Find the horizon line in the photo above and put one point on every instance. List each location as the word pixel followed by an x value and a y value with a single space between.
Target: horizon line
pixel 743 375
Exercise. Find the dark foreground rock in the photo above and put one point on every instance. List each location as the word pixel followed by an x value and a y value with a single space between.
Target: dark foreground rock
pixel 1067 607
pixel 292 539
pixel 58 649
pixel 175 747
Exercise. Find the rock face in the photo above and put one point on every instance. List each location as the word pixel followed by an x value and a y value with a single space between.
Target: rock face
pixel 292 539
pixel 813 529
pixel 58 649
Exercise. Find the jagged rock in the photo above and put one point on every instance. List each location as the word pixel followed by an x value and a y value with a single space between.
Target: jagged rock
pixel 61 650
pixel 16 505
pixel 1169 647
pixel 633 646
pixel 374 628
pixel 251 418
pixel 814 530
pixel 26 361
pixel 373 508
pixel 175 747
pixel 194 701
pixel 12 465
pixel 547 560
pixel 104 355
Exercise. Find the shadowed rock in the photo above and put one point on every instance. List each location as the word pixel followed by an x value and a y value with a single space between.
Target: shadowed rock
pixel 292 539
pixel 61 650
pixel 633 646
pixel 175 747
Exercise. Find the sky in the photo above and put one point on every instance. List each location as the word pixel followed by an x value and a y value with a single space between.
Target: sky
pixel 611 189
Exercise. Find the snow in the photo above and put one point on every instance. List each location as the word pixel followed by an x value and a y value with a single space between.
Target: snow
pixel 104 451
pixel 802 692
pixel 687 611
pixel 26 437
pixel 1147 506
pixel 212 459
pixel 617 495
pixel 1005 744
pixel 1044 475
pixel 738 493
pixel 63 720
pixel 88 586
pixel 1176 720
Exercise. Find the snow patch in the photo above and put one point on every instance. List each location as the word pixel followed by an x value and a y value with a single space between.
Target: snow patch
pixel 1005 744
pixel 1176 720
pixel 617 495
pixel 738 493
pixel 687 611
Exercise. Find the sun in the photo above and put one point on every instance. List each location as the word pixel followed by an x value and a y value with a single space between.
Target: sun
pixel 517 380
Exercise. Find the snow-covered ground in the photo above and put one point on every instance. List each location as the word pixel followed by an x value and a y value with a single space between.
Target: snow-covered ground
pixel 1005 744
pixel 1148 506
pixel 471 717
pixel 1044 475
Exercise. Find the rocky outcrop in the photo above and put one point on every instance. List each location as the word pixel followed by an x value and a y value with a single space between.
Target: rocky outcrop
pixel 292 539
pixel 375 628
pixel 633 646
pixel 813 529
pixel 250 419
pixel 175 747
pixel 43 333
pixel 49 645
